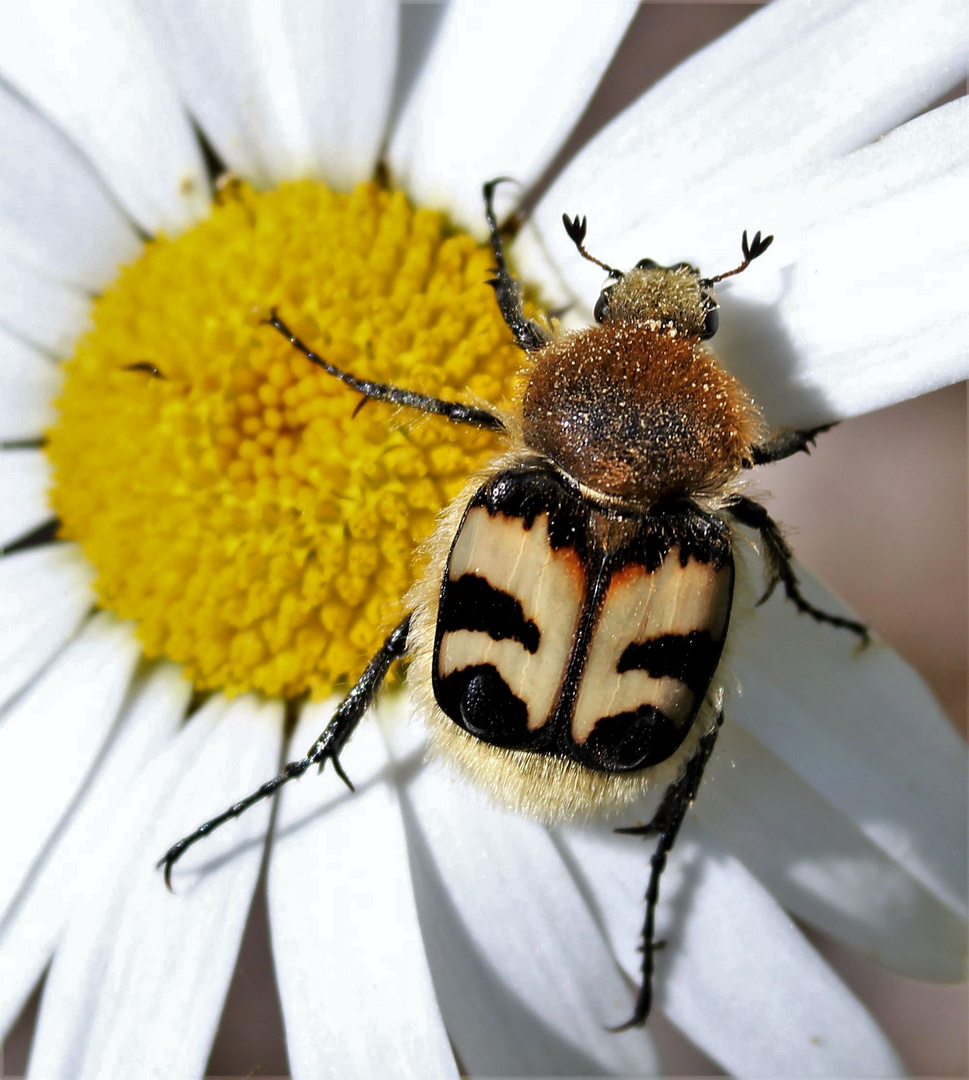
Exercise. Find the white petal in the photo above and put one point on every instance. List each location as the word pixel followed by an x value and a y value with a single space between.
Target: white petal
pixel 736 975
pixel 794 84
pixel 284 90
pixel 72 873
pixel 862 302
pixel 213 56
pixel 94 72
pixel 502 89
pixel 523 976
pixel 355 989
pixel 45 592
pixel 860 727
pixel 54 213
pixel 29 382
pixel 819 865
pixel 51 738
pixel 344 60
pixel 24 480
pixel 418 26
pixel 137 985
pixel 66 1009
pixel 46 312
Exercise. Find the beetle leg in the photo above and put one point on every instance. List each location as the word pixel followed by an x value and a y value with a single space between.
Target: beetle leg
pixel 666 823
pixel 528 335
pixel 779 556
pixel 784 444
pixel 326 748
pixel 396 395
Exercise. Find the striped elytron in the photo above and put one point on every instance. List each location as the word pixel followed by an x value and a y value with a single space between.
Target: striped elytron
pixel 565 641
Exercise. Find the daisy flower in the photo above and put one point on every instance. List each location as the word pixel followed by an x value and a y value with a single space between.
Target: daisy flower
pixel 234 543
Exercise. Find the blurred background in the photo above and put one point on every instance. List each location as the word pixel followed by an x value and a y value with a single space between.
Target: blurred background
pixel 879 511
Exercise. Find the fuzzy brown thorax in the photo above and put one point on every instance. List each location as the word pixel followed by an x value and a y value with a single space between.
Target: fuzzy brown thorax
pixel 639 411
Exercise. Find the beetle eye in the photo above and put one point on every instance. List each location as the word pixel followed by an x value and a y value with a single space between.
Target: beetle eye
pixel 647 264
pixel 601 310
pixel 710 324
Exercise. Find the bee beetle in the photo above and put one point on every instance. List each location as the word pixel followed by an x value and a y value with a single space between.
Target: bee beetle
pixel 565 641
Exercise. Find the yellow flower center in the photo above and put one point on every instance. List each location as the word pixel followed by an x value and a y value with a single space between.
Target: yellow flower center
pixel 232 504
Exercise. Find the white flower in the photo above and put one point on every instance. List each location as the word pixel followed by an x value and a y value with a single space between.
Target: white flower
pixel 414 911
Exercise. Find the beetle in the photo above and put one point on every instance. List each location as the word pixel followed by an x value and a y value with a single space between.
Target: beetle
pixel 565 641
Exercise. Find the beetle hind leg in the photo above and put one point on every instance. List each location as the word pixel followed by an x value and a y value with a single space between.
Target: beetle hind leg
pixel 666 824
pixel 326 748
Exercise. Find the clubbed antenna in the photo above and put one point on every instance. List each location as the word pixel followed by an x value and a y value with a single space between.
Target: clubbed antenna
pixel 751 252
pixel 576 230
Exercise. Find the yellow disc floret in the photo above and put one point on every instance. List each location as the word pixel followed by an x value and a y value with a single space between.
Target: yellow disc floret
pixel 229 499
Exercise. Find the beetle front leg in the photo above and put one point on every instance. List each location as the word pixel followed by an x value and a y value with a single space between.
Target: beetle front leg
pixel 528 335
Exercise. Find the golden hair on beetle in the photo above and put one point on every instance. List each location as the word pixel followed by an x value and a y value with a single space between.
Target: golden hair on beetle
pixel 549 789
